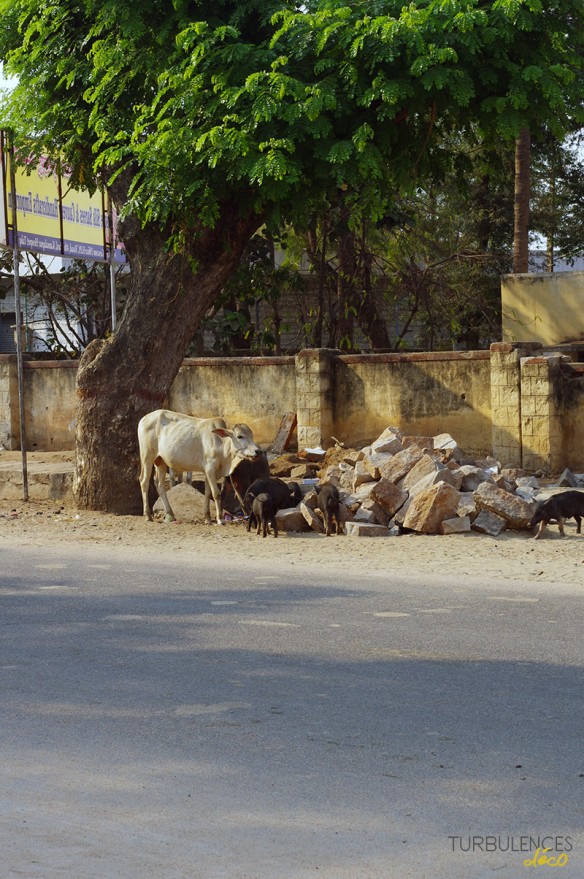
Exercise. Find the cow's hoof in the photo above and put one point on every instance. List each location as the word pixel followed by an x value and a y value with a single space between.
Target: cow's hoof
pixel 169 518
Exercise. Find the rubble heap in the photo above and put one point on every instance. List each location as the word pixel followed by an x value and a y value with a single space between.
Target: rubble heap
pixel 413 483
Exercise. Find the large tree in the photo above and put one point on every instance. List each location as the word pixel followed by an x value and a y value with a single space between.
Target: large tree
pixel 208 119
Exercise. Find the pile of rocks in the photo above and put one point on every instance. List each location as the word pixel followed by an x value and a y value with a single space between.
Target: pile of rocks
pixel 413 483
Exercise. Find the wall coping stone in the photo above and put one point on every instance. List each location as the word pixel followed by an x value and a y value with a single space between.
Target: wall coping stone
pixel 50 364
pixel 508 347
pixel 414 357
pixel 278 360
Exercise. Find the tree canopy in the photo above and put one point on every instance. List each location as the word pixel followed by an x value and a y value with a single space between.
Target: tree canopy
pixel 208 119
pixel 280 102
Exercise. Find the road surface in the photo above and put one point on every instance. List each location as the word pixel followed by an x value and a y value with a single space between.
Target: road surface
pixel 164 719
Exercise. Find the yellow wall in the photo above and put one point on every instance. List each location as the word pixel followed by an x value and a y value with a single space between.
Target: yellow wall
pixel 49 395
pixel 360 395
pixel 423 394
pixel 546 308
pixel 258 391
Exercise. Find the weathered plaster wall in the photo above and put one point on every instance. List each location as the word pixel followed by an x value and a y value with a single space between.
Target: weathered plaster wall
pixel 569 400
pixel 49 395
pixel 423 394
pixel 546 307
pixel 255 390
pixel 526 410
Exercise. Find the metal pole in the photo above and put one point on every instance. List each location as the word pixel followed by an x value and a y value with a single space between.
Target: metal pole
pixel 112 255
pixel 18 323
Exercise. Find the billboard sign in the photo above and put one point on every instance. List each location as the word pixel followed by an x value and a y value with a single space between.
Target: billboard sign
pixel 51 217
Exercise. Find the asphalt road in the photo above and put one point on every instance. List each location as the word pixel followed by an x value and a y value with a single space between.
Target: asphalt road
pixel 163 720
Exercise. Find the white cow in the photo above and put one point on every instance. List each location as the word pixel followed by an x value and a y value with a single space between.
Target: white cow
pixel 182 442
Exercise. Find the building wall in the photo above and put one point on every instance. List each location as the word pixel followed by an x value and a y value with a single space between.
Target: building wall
pixel 255 390
pixel 546 308
pixel 516 402
pixel 423 394
pixel 49 394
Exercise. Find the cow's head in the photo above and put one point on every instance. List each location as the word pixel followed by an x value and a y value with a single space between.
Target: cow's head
pixel 242 440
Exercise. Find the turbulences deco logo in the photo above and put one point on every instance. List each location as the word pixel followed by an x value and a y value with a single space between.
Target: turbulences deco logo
pixel 537 851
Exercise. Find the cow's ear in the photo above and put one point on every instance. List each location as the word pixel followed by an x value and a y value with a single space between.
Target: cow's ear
pixel 222 432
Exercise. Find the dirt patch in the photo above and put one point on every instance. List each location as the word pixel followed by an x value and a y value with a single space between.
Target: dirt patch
pixel 513 556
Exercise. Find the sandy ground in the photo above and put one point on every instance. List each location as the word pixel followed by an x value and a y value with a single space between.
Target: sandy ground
pixel 513 556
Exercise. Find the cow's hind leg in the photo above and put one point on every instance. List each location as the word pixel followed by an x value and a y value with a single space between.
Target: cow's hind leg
pixel 161 471
pixel 578 524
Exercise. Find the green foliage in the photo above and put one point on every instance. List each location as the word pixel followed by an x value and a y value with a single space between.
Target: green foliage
pixel 247 314
pixel 557 209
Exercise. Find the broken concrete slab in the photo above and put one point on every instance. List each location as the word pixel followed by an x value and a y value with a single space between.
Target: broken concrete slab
pixel 304 471
pixel 427 442
pixel 489 523
pixel 291 520
pixel 423 467
pixel 567 480
pixel 516 511
pixel 364 529
pixel 375 461
pixel 285 433
pixel 313 521
pixel 362 493
pixel 373 510
pixel 467 506
pixel 365 514
pixel 444 474
pixel 473 476
pixel 446 443
pixel 311 498
pixel 361 474
pixel 389 496
pixel 458 525
pixel 430 508
pixel 401 463
pixel 388 441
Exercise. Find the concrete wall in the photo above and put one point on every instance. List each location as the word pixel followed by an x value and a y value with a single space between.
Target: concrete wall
pixel 49 393
pixel 572 423
pixel 546 307
pixel 515 401
pixel 425 394
pixel 255 390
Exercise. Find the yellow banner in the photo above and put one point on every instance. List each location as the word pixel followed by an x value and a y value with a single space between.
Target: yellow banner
pixel 51 217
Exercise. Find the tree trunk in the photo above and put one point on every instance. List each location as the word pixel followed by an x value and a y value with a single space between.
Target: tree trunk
pixel 522 172
pixel 345 284
pixel 124 377
pixel 317 255
pixel 370 320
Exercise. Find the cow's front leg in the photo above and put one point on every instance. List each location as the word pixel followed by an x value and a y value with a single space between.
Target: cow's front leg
pixel 212 490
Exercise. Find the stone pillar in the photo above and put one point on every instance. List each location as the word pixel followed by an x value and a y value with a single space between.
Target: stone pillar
pixel 540 414
pixel 506 399
pixel 314 397
pixel 9 408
